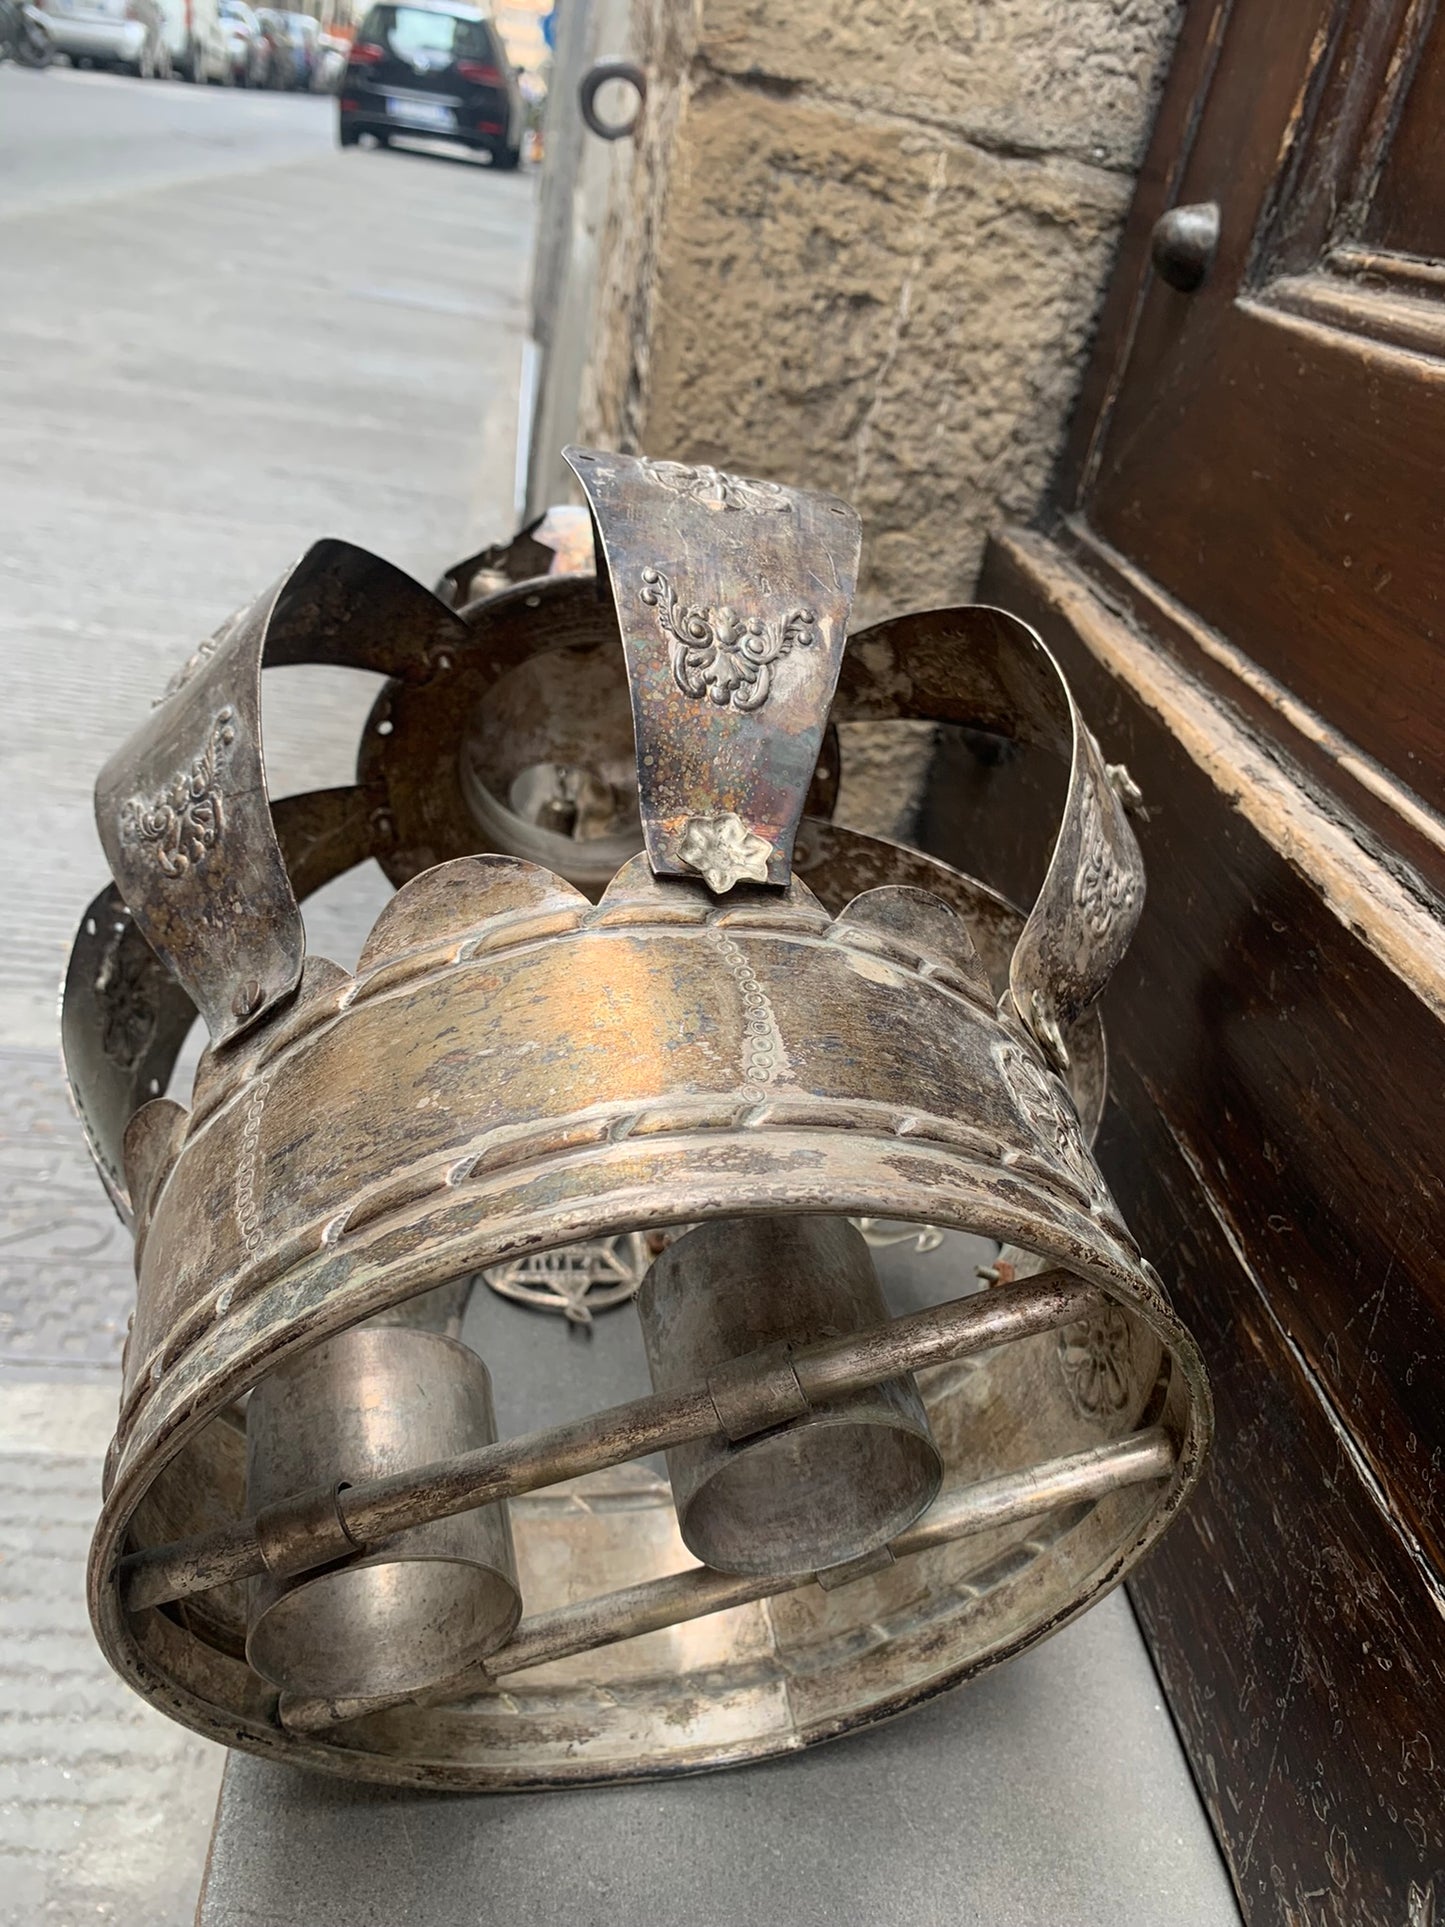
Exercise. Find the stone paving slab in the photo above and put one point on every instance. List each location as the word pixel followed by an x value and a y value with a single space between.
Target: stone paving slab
pixel 105 1805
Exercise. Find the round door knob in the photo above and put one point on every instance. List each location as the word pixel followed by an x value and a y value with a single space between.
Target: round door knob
pixel 1183 244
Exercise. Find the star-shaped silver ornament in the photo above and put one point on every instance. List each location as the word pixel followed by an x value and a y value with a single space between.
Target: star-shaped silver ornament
pixel 723 850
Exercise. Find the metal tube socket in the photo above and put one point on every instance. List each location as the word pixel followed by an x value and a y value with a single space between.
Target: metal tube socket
pixel 423 1605
pixel 816 1489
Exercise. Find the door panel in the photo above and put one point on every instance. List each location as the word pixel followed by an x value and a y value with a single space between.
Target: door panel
pixel 1406 213
pixel 1272 460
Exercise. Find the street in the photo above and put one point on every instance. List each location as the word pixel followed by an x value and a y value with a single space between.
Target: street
pixel 221 338
pixel 69 138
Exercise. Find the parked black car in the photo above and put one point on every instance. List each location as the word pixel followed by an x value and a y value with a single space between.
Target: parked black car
pixel 432 72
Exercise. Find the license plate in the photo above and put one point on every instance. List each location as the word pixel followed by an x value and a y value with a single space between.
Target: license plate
pixel 420 113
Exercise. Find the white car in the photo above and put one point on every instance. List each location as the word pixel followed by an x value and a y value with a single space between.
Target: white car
pixel 195 37
pixel 129 34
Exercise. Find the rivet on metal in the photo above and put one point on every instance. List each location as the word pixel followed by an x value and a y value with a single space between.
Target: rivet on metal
pixel 247 998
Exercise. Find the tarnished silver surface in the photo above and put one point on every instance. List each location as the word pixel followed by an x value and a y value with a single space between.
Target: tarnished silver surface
pixel 182 810
pixel 525 745
pixel 419 1608
pixel 793 1488
pixel 732 597
pixel 514 1070
pixel 124 1016
pixel 984 668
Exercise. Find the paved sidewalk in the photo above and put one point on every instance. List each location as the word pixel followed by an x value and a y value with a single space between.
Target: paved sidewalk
pixel 221 338
pixel 105 1807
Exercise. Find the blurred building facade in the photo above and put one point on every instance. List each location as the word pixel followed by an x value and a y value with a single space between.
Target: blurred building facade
pixel 520 23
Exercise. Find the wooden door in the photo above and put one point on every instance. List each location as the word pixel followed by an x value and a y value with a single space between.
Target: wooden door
pixel 1269 448
pixel 1244 573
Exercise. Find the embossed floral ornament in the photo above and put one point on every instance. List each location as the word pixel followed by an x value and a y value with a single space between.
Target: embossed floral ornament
pixel 1106 887
pixel 1046 1108
pixel 187 818
pixel 192 665
pixel 714 488
pixel 1095 1356
pixel 720 654
pixel 723 850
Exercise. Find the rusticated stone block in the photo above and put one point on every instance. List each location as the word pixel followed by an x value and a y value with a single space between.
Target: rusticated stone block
pixel 852 303
pixel 1026 77
pixel 862 248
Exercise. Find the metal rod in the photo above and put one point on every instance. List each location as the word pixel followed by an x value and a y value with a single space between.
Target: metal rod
pixel 673 1600
pixel 374 1511
pixel 1092 1474
pixel 644 1608
pixel 681 1596
pixel 999 1316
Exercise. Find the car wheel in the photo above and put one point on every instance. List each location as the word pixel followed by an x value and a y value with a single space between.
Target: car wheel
pixel 509 159
pixel 381 140
pixel 346 136
pixel 33 48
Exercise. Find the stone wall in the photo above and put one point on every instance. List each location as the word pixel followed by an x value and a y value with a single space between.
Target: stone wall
pixel 862 245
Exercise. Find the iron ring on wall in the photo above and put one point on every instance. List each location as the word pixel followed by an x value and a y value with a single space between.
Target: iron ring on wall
pixel 597 77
